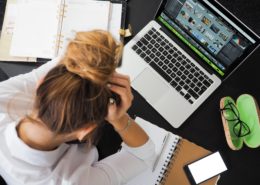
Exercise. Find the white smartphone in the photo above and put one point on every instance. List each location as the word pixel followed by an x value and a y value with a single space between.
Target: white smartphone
pixel 205 168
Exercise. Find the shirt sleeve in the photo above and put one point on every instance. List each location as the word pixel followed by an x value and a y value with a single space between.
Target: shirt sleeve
pixel 121 167
pixel 20 90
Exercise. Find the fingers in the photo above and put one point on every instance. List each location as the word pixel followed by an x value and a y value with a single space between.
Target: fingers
pixel 124 93
pixel 112 111
pixel 119 84
pixel 119 75
pixel 112 106
pixel 120 79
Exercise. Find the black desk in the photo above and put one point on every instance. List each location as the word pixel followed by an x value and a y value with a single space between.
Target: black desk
pixel 204 127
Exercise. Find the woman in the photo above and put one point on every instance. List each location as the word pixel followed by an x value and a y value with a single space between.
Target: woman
pixel 64 100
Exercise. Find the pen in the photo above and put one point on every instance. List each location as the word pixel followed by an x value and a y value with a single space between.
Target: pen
pixel 163 146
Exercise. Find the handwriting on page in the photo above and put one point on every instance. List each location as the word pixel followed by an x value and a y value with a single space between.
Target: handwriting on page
pixel 11 13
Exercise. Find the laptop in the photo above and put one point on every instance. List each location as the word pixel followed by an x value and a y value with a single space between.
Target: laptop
pixel 182 56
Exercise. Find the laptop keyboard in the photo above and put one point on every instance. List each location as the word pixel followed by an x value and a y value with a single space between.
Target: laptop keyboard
pixel 172 65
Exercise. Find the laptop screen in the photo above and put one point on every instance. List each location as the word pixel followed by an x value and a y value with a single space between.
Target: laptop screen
pixel 214 37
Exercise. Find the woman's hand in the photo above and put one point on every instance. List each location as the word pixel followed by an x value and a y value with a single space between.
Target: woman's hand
pixel 119 84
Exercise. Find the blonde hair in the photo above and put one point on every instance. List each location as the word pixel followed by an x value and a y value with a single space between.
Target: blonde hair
pixel 74 92
pixel 93 55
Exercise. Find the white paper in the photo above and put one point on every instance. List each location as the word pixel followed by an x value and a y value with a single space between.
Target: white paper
pixel 115 20
pixel 35 29
pixel 84 16
pixel 11 14
pixel 7 33
pixel 157 135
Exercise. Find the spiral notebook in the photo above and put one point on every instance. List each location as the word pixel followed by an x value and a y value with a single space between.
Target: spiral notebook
pixel 171 157
pixel 44 27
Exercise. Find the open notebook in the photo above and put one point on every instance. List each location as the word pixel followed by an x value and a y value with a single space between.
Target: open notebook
pixel 44 27
pixel 174 154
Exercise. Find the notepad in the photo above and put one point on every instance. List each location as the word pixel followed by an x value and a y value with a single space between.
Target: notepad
pixel 44 27
pixel 176 153
pixel 116 18
pixel 7 34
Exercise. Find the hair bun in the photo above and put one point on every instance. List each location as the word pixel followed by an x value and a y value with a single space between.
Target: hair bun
pixel 93 55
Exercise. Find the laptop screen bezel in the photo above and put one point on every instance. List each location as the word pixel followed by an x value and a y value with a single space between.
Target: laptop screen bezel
pixel 234 19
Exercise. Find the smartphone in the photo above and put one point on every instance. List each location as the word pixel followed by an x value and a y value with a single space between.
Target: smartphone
pixel 205 168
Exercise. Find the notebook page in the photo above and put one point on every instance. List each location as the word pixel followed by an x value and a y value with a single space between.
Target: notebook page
pixel 35 29
pixel 157 134
pixel 115 20
pixel 82 15
pixel 7 33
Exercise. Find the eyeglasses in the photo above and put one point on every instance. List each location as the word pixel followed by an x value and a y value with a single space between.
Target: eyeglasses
pixel 230 113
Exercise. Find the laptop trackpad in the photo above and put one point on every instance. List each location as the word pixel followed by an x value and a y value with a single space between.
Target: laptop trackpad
pixel 150 86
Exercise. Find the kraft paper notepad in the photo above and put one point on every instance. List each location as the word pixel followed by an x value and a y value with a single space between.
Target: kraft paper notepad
pixel 174 154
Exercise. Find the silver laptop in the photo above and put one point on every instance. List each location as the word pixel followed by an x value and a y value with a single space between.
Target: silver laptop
pixel 178 59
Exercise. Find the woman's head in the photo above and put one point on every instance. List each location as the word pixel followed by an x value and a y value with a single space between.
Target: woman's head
pixel 74 93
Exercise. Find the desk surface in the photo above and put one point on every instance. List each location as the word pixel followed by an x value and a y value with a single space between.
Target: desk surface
pixel 204 127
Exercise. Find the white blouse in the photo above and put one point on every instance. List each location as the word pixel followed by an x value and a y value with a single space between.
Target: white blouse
pixel 66 165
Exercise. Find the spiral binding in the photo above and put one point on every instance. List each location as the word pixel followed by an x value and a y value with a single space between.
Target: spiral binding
pixel 60 16
pixel 167 166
